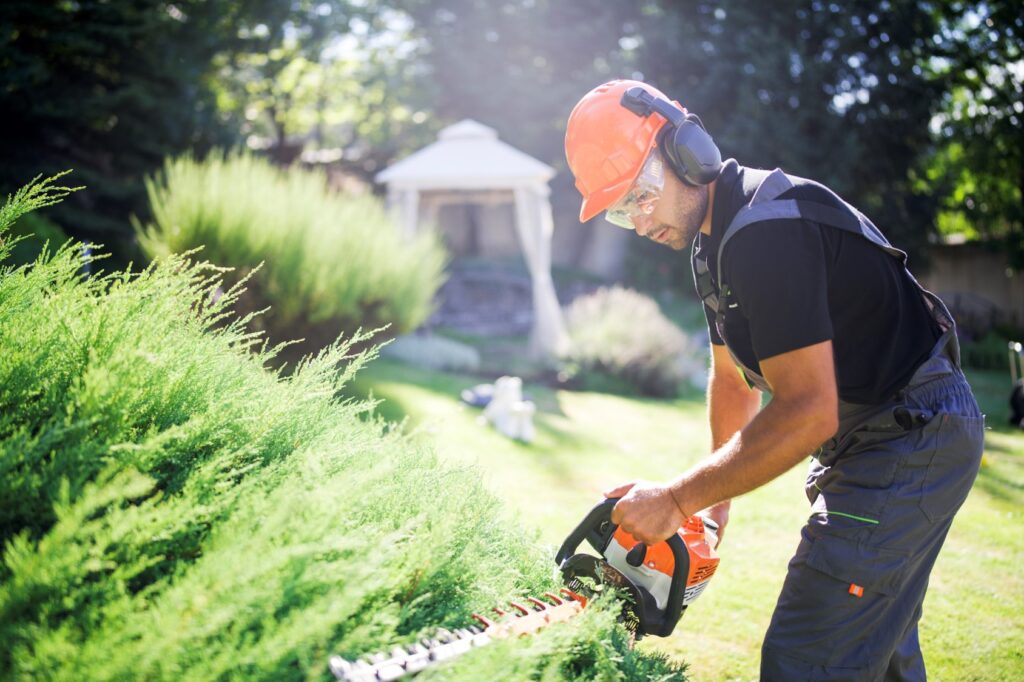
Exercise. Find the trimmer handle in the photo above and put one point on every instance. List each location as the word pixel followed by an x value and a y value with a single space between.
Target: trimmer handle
pixel 597 529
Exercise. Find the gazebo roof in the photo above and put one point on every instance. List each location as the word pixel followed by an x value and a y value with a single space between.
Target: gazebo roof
pixel 467 155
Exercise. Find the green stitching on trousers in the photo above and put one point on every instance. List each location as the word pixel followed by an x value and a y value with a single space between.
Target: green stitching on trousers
pixel 849 516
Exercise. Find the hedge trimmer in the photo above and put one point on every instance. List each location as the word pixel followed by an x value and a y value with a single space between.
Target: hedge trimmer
pixel 659 582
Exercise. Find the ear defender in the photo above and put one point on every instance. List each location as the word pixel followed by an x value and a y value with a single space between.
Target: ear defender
pixel 688 149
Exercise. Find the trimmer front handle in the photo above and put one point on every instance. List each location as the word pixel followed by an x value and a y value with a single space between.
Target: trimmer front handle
pixel 597 529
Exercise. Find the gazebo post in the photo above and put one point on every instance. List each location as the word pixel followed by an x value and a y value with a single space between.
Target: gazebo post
pixel 410 211
pixel 534 225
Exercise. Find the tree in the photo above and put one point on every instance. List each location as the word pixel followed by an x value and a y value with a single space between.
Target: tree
pixel 330 75
pixel 827 90
pixel 519 67
pixel 108 88
pixel 979 158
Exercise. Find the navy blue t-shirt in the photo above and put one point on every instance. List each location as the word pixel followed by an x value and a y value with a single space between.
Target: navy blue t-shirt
pixel 796 283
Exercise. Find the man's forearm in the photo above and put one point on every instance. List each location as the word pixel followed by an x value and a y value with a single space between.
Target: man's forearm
pixel 731 406
pixel 801 415
pixel 781 434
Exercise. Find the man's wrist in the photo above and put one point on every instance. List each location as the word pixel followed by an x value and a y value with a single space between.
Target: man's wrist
pixel 673 490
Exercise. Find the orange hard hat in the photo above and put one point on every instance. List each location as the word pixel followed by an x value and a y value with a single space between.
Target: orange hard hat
pixel 606 144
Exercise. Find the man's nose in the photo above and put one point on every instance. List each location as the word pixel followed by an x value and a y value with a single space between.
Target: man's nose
pixel 643 224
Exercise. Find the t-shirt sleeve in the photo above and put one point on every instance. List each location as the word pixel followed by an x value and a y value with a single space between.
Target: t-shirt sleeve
pixel 779 280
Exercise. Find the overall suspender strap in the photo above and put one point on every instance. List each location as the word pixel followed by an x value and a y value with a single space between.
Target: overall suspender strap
pixel 705 286
pixel 765 205
pixel 770 188
pixel 780 209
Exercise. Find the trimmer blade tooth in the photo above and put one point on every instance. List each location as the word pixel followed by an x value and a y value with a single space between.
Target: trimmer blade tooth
pixel 412 658
pixel 418 663
pixel 391 672
pixel 339 666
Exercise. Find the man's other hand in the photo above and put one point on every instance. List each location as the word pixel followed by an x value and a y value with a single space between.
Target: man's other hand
pixel 647 511
pixel 719 513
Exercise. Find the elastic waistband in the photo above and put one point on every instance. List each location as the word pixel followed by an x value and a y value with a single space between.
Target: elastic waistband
pixel 933 369
pixel 936 377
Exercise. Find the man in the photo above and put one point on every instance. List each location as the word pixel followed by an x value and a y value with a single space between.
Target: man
pixel 806 300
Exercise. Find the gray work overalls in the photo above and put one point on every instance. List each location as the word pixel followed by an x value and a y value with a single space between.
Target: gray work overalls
pixel 883 490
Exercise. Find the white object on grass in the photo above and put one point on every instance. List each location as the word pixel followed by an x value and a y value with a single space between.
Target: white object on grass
pixel 508 412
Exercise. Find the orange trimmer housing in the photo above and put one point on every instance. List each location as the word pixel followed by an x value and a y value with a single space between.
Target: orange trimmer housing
pixel 699 539
pixel 662 579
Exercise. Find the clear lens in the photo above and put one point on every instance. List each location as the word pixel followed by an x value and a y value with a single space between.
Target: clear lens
pixel 642 197
pixel 620 218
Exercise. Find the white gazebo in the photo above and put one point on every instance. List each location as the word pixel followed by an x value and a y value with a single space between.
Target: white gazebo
pixel 468 164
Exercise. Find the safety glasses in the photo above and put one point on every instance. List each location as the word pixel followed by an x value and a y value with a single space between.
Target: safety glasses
pixel 642 197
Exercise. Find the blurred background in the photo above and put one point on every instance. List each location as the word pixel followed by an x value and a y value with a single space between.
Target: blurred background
pixel 912 111
pixel 361 163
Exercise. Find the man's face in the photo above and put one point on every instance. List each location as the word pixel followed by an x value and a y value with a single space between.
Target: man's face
pixel 676 217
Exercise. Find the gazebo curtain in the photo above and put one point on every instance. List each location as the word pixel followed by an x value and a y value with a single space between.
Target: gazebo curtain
pixel 534 223
pixel 534 227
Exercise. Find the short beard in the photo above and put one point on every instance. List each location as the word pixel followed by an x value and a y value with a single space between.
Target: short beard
pixel 690 208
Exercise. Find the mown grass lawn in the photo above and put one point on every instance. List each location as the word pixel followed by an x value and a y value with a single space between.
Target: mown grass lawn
pixel 973 624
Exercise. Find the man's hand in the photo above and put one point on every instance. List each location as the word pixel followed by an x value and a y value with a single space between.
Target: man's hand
pixel 647 511
pixel 719 513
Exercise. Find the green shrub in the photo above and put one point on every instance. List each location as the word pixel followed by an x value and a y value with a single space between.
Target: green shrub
pixel 329 259
pixel 32 233
pixel 171 509
pixel 619 338
pixel 989 352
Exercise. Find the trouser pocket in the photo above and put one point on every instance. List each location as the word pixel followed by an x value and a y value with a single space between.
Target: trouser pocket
pixel 949 463
pixel 857 481
pixel 836 605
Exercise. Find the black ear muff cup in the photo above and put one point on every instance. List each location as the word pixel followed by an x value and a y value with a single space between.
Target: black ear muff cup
pixel 688 149
pixel 667 147
pixel 693 155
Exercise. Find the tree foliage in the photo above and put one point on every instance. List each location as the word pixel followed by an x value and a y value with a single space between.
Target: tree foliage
pixel 843 91
pixel 910 110
pixel 108 88
pixel 978 164
pixel 327 74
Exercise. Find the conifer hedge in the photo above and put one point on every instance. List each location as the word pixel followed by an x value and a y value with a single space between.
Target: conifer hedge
pixel 172 509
